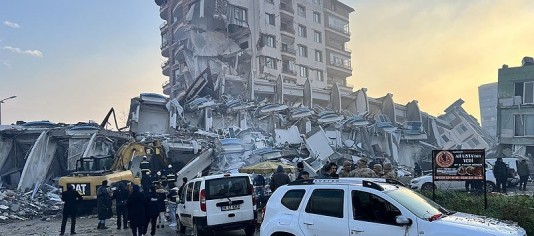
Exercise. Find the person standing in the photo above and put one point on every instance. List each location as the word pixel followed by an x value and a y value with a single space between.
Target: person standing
pixel 326 172
pixel 500 172
pixel 121 197
pixel 152 212
pixel 103 199
pixel 377 168
pixel 146 181
pixel 173 193
pixel 333 166
pixel 71 199
pixel 137 207
pixel 300 169
pixel 523 171
pixel 162 193
pixel 259 189
pixel 279 178
pixel 347 168
pixel 144 166
pixel 417 169
pixel 171 177
pixel 389 172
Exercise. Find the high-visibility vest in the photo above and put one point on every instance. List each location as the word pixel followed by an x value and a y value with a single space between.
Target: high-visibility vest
pixel 171 177
pixel 144 165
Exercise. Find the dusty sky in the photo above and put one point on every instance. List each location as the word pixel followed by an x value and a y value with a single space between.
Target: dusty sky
pixel 437 51
pixel 72 62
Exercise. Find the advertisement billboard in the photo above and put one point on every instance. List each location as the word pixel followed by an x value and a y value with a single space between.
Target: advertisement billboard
pixel 458 165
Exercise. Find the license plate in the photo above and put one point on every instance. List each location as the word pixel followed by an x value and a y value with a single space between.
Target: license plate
pixel 230 207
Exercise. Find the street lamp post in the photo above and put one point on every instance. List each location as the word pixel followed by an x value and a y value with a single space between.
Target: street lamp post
pixel 2 101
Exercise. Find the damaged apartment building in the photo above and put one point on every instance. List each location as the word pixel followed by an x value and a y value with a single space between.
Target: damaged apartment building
pixel 277 69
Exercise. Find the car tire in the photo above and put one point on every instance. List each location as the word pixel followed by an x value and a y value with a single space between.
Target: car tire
pixel 249 230
pixel 427 186
pixel 180 228
pixel 196 231
pixel 490 186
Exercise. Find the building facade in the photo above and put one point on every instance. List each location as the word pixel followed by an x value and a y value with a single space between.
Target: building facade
pixel 249 45
pixel 487 98
pixel 515 111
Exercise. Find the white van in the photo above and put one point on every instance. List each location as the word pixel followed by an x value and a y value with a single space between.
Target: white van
pixel 217 202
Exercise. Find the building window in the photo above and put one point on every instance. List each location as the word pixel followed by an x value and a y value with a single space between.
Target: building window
pixel 445 139
pixel 338 24
pixel 302 31
pixel 473 142
pixel 240 15
pixel 269 19
pixel 340 61
pixel 270 62
pixel 320 75
pixel 303 71
pixel 270 41
pixel 317 36
pixel 177 14
pixel 318 56
pixel 301 10
pixel 288 66
pixel 525 90
pixel 524 125
pixel 317 17
pixel 303 51
pixel 461 129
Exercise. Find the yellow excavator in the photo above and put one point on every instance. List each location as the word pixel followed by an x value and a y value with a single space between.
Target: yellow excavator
pixel 121 168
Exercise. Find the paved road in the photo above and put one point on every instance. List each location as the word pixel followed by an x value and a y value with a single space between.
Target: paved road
pixel 84 226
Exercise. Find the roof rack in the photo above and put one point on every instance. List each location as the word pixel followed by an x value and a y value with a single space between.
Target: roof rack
pixel 346 181
pixel 372 185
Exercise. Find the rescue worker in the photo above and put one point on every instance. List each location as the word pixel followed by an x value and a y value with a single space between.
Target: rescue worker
pixel 347 168
pixel 326 172
pixel 71 199
pixel 162 176
pixel 171 177
pixel 121 197
pixel 279 178
pixel 523 171
pixel 162 195
pixel 300 169
pixel 155 178
pixel 500 172
pixel 144 166
pixel 362 170
pixel 173 193
pixel 103 199
pixel 389 172
pixel 152 212
pixel 417 170
pixel 377 168
pixel 137 208
pixel 146 181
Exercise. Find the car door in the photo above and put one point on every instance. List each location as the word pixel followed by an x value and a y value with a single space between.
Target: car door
pixel 374 214
pixel 325 212
pixel 187 209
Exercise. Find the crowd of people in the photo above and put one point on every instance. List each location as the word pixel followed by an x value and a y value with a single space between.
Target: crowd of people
pixel 136 206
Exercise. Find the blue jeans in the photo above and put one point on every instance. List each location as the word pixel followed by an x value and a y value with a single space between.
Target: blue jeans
pixel 172 211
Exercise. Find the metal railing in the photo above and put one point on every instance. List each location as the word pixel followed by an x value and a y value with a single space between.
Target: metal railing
pixel 289 71
pixel 289 50
pixel 287 28
pixel 341 65
pixel 163 25
pixel 285 7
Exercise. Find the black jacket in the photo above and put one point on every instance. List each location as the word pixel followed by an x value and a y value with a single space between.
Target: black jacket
pixel 278 180
pixel 121 196
pixel 137 206
pixel 71 199
pixel 153 203
pixel 500 170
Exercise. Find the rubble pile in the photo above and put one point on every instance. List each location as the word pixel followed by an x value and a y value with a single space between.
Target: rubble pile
pixel 44 201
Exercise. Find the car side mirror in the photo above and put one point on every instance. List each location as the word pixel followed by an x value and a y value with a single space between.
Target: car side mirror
pixel 403 220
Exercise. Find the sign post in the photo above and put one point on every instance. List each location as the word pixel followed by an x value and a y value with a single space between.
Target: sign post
pixel 459 165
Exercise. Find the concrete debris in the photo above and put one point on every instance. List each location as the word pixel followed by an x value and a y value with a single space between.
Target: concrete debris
pixel 21 206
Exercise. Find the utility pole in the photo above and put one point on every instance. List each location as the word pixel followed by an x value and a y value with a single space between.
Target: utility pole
pixel 2 101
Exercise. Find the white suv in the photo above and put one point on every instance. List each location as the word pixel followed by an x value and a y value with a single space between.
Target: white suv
pixel 217 202
pixel 367 207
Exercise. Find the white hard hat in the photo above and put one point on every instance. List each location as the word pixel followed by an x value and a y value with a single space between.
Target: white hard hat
pixel 159 173
pixel 170 166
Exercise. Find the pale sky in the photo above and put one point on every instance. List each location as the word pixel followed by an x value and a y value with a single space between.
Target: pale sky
pixel 70 62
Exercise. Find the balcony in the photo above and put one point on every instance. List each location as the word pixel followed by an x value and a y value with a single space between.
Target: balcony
pixel 342 31
pixel 287 28
pixel 340 65
pixel 165 49
pixel 163 11
pixel 289 51
pixel 166 68
pixel 163 27
pixel 288 71
pixel 287 8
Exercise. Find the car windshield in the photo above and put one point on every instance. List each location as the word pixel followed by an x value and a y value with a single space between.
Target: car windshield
pixel 227 187
pixel 418 204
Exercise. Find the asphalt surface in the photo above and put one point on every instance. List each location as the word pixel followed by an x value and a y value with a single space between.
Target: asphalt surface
pixel 85 226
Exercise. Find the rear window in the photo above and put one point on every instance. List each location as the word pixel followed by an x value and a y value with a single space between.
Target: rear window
pixel 196 190
pixel 227 187
pixel 189 192
pixel 292 199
